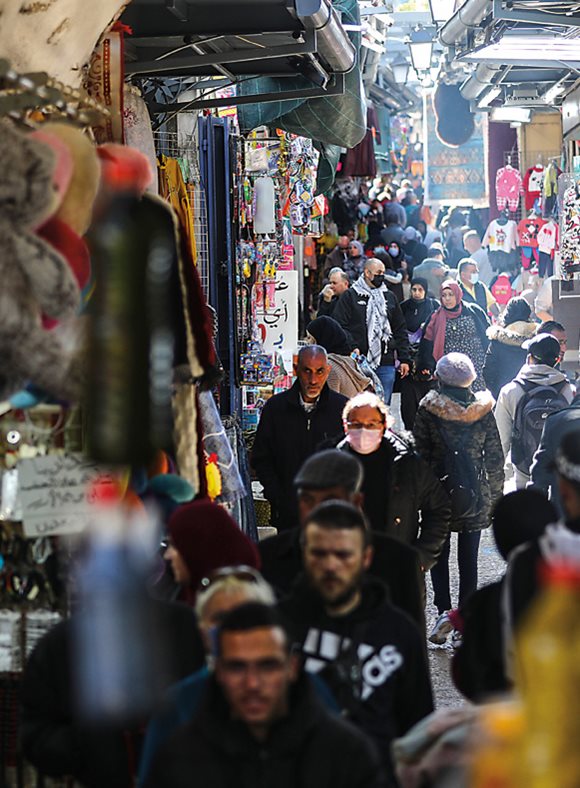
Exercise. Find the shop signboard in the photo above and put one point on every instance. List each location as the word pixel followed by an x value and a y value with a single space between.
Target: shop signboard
pixel 54 493
pixel 455 175
pixel 278 324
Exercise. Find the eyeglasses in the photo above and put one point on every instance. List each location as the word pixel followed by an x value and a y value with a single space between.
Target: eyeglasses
pixel 245 573
pixel 371 425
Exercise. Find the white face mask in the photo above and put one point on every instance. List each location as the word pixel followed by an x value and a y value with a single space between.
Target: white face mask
pixel 474 279
pixel 364 441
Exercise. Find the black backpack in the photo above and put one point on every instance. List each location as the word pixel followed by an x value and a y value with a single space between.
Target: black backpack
pixel 537 403
pixel 462 481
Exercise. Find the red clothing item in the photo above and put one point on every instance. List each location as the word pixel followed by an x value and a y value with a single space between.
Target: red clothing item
pixel 528 230
pixel 533 184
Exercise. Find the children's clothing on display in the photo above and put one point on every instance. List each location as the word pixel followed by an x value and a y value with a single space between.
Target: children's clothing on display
pixel 528 230
pixel 508 187
pixel 570 230
pixel 501 238
pixel 548 237
pixel 551 176
pixel 533 183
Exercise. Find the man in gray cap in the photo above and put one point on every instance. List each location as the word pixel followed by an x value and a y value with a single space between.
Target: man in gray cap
pixel 335 475
pixel 523 405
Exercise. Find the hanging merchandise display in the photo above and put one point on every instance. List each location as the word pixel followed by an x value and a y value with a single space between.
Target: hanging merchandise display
pixel 275 204
pixel 501 238
pixel 533 184
pixel 508 187
pixel 550 188
pixel 569 203
pixel 528 230
pixel 548 243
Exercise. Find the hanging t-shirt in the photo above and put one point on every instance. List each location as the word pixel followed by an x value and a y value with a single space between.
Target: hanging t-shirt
pixel 501 237
pixel 528 230
pixel 533 183
pixel 508 187
pixel 570 244
pixel 548 238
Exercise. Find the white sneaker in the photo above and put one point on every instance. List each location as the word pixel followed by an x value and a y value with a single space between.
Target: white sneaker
pixel 441 629
pixel 456 638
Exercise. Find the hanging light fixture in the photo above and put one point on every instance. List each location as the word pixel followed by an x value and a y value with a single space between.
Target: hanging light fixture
pixel 400 68
pixel 441 11
pixel 421 48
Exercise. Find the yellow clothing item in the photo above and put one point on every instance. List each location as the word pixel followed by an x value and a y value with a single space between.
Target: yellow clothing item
pixel 488 295
pixel 172 187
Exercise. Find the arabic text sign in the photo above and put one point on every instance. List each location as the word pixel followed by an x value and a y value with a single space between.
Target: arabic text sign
pixel 53 491
pixel 279 323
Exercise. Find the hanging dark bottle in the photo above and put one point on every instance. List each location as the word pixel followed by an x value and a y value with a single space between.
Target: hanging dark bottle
pixel 132 328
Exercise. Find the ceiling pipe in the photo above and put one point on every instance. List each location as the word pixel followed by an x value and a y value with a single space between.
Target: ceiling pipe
pixel 467 17
pixel 333 44
pixel 481 79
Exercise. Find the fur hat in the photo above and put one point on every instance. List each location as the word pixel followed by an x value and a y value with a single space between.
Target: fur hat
pixel 455 369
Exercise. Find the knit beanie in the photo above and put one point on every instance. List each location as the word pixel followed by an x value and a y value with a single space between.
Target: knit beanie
pixel 207 538
pixel 455 369
pixel 516 310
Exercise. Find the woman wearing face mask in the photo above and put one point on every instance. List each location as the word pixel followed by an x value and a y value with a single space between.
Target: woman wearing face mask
pixel 456 433
pixel 402 496
pixel 455 327
pixel 353 265
pixel 416 310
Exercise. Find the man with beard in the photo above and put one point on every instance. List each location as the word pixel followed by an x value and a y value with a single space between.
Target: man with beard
pixel 369 652
pixel 260 723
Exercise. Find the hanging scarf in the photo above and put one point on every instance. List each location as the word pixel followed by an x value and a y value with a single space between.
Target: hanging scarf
pixel 378 326
pixel 438 324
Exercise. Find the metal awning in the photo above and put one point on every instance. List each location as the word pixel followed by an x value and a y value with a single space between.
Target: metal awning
pixel 515 52
pixel 239 40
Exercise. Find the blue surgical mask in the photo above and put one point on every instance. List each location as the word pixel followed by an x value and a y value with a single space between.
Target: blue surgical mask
pixel 394 251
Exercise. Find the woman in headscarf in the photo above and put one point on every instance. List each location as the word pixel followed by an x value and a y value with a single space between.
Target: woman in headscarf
pixel 505 355
pixel 416 310
pixel 203 538
pixel 455 328
pixel 345 376
pixel 353 265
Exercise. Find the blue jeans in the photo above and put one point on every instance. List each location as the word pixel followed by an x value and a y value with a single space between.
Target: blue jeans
pixel 467 549
pixel 387 375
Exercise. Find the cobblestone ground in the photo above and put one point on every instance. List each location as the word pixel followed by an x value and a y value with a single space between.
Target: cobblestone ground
pixel 491 566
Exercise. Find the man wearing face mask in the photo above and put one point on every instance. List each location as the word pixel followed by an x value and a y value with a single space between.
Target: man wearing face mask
pixel 474 291
pixel 374 324
pixel 402 496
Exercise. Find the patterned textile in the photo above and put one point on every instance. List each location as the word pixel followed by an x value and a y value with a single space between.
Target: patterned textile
pixel 508 186
pixel 461 337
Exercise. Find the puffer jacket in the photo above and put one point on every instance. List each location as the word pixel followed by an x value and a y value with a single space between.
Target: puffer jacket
pixel 472 426
pixel 505 355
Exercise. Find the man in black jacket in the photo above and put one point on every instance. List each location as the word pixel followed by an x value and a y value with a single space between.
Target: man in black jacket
pixel 402 496
pixel 291 427
pixel 260 724
pixel 337 475
pixel 338 283
pixel 374 324
pixel 369 652
pixel 542 472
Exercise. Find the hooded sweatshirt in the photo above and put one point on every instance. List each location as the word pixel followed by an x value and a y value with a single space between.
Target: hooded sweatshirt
pixel 385 646
pixel 511 393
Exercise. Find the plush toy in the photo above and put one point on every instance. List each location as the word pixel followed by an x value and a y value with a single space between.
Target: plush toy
pixel 35 278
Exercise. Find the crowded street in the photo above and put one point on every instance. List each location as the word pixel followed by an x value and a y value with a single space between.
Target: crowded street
pixel 290 394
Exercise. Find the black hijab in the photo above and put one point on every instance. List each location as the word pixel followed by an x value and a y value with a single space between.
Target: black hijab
pixel 330 335
pixel 417 312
